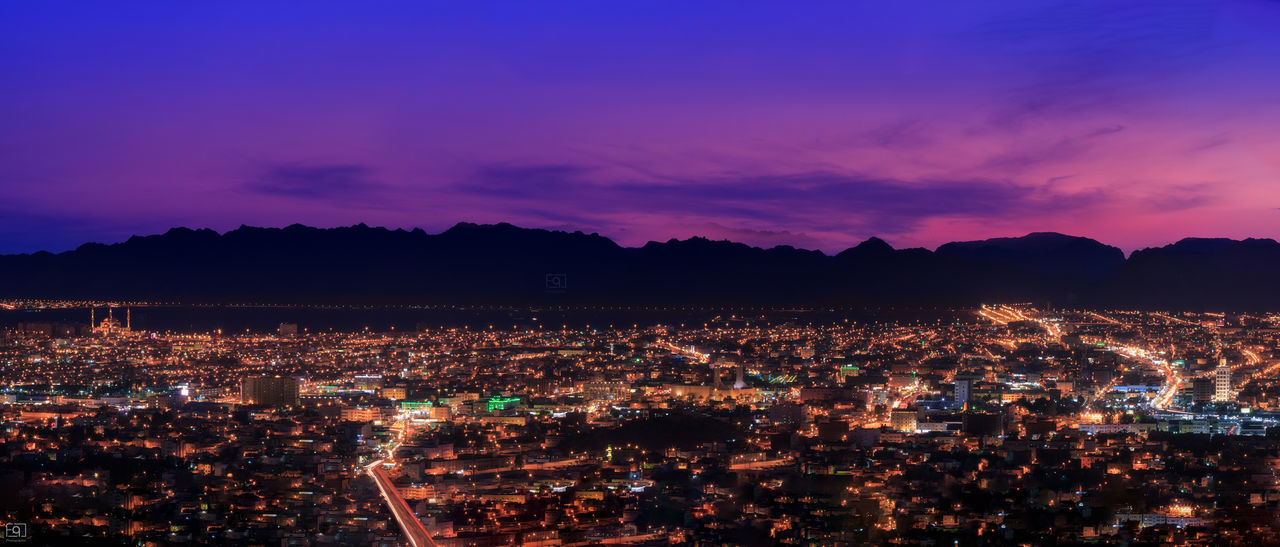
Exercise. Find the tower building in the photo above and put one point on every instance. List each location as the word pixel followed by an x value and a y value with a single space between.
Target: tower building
pixel 1222 382
pixel 963 389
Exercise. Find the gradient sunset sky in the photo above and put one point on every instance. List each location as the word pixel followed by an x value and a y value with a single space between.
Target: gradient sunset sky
pixel 1135 123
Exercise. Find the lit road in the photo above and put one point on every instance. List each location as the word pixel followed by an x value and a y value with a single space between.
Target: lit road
pixel 906 399
pixel 1173 380
pixel 1104 318
pixel 1251 359
pixel 1172 319
pixel 1172 383
pixel 1002 315
pixel 1093 396
pixel 684 351
pixel 413 529
pixel 1264 373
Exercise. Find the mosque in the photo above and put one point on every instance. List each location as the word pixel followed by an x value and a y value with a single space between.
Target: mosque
pixel 110 326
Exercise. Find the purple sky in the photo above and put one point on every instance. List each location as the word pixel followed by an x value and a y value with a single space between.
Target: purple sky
pixel 1136 123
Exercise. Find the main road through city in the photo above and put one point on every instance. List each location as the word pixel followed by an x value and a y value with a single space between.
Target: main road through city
pixel 1173 380
pixel 413 529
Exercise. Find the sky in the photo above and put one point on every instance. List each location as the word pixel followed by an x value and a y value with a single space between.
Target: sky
pixel 813 124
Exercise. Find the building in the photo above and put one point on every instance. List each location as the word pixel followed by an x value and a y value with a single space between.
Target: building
pixel 369 382
pixel 681 391
pixel 364 414
pixel 964 384
pixel 1135 428
pixel 269 390
pixel 739 375
pixel 983 423
pixel 847 371
pixel 287 329
pixel 789 414
pixel 1202 390
pixel 1222 382
pixel 600 389
pixel 903 420
pixel 110 326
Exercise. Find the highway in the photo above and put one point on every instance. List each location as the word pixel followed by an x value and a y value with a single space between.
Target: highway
pixel 1251 359
pixel 1172 383
pixel 413 529
pixel 1002 315
pixel 684 351
pixel 1267 372
pixel 1173 380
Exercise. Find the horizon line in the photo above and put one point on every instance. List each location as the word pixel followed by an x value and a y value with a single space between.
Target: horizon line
pixel 458 224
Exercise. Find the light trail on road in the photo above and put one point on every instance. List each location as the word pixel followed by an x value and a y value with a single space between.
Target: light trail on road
pixel 1173 380
pixel 413 529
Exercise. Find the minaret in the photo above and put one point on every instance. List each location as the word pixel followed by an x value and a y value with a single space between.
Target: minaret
pixel 128 319
pixel 739 377
pixel 91 320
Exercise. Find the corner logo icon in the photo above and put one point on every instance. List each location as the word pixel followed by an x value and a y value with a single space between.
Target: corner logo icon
pixel 557 282
pixel 15 531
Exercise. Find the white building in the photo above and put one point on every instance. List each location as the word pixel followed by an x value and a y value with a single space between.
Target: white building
pixel 1222 382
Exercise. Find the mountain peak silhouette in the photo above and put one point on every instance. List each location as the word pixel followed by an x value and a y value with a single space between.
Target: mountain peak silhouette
pixel 506 264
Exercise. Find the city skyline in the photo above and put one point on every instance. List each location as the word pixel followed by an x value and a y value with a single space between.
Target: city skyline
pixel 1136 125
pixel 765 427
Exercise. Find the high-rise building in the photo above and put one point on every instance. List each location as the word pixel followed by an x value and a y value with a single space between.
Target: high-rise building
pixel 1202 390
pixel 269 390
pixel 789 414
pixel 964 386
pixel 1222 382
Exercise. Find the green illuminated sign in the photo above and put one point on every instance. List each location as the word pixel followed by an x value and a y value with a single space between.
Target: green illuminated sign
pixel 500 403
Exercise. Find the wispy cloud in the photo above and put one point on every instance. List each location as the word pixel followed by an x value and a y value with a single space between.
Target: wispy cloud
pixel 823 200
pixel 326 182
pixel 1087 56
pixel 1183 197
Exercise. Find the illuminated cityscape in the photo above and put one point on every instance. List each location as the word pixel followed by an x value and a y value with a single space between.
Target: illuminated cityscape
pixel 577 272
pixel 1003 424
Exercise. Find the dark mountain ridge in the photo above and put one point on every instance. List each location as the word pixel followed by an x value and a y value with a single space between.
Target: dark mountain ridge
pixel 504 264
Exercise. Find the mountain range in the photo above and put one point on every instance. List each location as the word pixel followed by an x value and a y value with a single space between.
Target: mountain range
pixel 472 264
